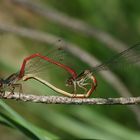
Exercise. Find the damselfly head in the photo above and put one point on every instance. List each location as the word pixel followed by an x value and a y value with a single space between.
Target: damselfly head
pixel 69 82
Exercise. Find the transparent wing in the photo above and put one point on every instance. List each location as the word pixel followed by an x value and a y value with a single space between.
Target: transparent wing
pixel 37 64
pixel 125 59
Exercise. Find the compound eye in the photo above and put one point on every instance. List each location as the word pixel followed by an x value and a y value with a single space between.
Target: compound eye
pixel 69 82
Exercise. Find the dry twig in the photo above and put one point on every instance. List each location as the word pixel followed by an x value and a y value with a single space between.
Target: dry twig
pixel 76 101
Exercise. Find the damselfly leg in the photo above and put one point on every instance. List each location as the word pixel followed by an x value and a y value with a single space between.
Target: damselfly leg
pixel 83 81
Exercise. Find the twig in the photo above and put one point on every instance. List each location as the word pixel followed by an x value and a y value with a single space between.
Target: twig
pixel 76 101
pixel 74 24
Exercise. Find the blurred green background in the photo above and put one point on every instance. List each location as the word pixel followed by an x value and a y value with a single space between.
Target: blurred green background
pixel 118 19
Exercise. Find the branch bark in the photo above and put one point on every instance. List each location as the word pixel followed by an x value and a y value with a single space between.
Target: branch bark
pixel 73 101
